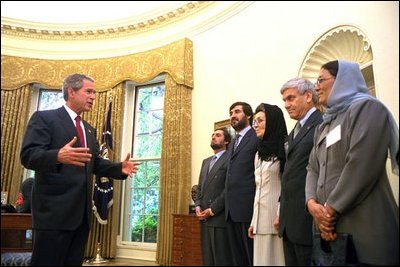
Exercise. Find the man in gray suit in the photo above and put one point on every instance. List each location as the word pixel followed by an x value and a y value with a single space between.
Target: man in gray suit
pixel 295 223
pixel 240 186
pixel 210 203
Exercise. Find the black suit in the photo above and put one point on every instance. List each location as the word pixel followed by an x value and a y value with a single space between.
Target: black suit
pixel 214 237
pixel 62 194
pixel 240 189
pixel 295 221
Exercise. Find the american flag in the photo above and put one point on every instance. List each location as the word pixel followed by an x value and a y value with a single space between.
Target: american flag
pixel 103 187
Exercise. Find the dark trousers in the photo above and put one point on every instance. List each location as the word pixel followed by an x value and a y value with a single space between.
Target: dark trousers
pixel 296 254
pixel 214 246
pixel 240 244
pixel 59 248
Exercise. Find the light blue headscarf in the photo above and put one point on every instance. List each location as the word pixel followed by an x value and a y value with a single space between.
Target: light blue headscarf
pixel 349 87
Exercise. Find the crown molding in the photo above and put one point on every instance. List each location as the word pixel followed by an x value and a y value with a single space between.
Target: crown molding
pixel 92 40
pixel 112 29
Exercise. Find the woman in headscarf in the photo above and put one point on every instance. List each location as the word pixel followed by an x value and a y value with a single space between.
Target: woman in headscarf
pixel 347 188
pixel 269 162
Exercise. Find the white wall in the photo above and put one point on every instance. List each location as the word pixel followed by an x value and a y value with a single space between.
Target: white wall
pixel 249 56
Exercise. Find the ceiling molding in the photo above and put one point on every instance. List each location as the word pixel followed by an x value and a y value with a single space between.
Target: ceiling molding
pixel 344 42
pixel 119 38
pixel 85 31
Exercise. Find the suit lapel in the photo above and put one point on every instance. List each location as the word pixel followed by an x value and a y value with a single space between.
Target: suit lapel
pixel 322 135
pixel 303 131
pixel 210 176
pixel 204 171
pixel 89 134
pixel 243 142
pixel 67 123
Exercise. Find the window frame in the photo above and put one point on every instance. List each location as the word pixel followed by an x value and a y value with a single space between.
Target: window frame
pixel 127 147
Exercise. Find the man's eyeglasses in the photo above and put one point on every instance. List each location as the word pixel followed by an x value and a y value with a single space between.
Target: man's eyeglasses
pixel 320 80
pixel 257 122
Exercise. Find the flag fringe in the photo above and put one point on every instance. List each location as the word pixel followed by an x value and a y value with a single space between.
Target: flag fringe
pixel 97 215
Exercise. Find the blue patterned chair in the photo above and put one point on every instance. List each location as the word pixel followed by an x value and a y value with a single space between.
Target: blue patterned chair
pixel 16 258
pixel 16 239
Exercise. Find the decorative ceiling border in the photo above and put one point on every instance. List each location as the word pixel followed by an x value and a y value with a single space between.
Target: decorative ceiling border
pixel 71 47
pixel 122 28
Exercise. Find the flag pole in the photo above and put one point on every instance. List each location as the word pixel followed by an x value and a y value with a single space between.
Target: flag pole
pixel 98 259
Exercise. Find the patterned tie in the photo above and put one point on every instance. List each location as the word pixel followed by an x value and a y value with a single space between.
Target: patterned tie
pixel 80 131
pixel 296 129
pixel 237 138
pixel 212 162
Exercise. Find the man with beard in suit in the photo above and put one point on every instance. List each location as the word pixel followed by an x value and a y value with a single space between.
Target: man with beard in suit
pixel 210 203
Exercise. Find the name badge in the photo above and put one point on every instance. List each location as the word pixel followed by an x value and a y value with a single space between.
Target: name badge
pixel 333 136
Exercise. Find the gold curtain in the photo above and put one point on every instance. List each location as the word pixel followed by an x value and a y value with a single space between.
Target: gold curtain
pixel 14 111
pixel 175 168
pixel 176 60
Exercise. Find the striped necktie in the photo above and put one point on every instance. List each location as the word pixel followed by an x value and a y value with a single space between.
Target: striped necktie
pixel 212 162
pixel 237 139
pixel 296 129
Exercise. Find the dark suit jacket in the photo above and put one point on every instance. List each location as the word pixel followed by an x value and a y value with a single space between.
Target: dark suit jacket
pixel 210 191
pixel 240 186
pixel 293 218
pixel 62 194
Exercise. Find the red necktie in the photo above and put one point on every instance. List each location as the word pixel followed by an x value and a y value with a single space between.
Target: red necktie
pixel 80 131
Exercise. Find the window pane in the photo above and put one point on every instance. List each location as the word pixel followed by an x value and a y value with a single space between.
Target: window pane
pixel 149 113
pixel 144 189
pixel 50 99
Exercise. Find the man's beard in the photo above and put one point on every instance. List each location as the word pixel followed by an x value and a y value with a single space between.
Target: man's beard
pixel 216 146
pixel 240 125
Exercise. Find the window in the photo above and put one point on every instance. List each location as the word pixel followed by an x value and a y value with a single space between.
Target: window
pixel 141 197
pixel 50 99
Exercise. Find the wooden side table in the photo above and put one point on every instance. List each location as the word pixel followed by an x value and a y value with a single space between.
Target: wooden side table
pixel 186 248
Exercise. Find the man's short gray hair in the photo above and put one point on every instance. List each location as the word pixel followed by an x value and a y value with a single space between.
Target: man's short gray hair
pixel 302 85
pixel 74 81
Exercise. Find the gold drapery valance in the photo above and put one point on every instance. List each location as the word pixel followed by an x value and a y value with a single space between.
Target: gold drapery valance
pixel 175 59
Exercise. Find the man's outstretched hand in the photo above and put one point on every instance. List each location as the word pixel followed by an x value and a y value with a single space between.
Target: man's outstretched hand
pixel 129 167
pixel 69 154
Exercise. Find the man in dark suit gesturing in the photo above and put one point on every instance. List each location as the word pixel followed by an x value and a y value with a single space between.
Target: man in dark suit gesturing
pixel 64 161
pixel 295 223
pixel 210 203
pixel 240 185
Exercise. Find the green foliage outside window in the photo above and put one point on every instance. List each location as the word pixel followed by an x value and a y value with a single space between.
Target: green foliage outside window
pixel 147 144
pixel 145 229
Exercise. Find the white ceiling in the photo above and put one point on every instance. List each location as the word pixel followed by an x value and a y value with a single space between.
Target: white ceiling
pixel 76 12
